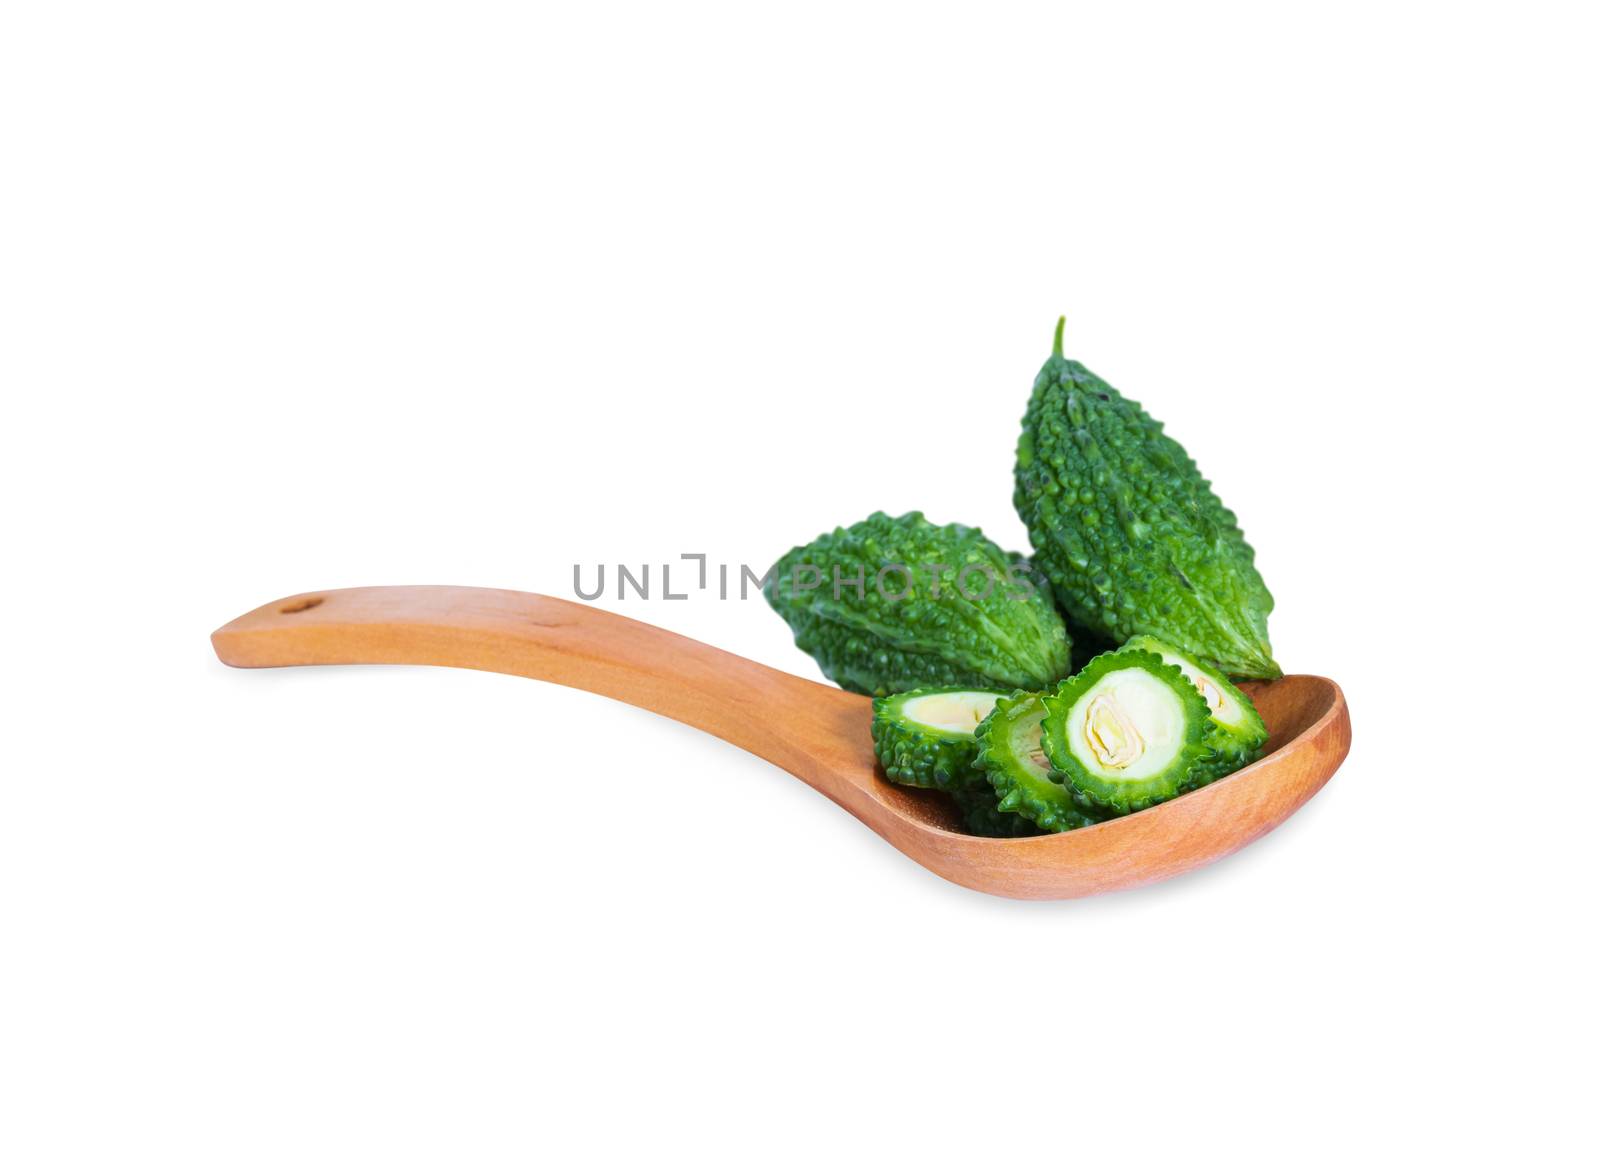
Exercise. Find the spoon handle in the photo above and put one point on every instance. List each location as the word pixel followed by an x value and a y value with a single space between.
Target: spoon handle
pixel 814 731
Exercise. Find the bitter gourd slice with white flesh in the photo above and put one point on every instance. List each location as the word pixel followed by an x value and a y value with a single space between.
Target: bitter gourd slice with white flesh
pixel 925 737
pixel 1127 732
pixel 1239 731
pixel 1011 758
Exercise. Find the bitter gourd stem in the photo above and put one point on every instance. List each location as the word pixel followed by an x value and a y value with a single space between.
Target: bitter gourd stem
pixel 1061 324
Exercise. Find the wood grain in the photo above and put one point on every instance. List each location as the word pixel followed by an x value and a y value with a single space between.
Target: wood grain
pixel 818 733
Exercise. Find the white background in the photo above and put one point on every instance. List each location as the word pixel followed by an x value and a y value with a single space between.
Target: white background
pixel 300 296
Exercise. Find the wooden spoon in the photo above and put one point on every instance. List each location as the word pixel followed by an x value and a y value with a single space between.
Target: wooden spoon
pixel 818 733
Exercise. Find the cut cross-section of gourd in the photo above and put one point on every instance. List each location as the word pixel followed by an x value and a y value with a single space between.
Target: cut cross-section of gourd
pixel 1239 731
pixel 1019 772
pixel 1127 732
pixel 925 737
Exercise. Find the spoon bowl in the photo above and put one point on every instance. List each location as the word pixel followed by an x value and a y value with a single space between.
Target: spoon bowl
pixel 818 733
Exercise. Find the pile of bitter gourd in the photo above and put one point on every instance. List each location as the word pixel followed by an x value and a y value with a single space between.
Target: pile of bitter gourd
pixel 969 650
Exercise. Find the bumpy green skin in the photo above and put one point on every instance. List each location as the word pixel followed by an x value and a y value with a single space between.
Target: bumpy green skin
pixel 1233 744
pixel 1008 739
pixel 1126 530
pixel 981 814
pixel 924 631
pixel 1186 770
pixel 915 754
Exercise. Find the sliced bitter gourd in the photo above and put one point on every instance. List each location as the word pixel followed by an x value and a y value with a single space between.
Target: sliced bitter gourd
pixel 1127 732
pixel 981 814
pixel 925 737
pixel 1010 757
pixel 1239 732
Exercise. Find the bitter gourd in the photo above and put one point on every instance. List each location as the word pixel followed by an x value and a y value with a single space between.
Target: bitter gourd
pixel 981 814
pixel 1019 772
pixel 1238 732
pixel 893 603
pixel 1126 732
pixel 925 737
pixel 1128 532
